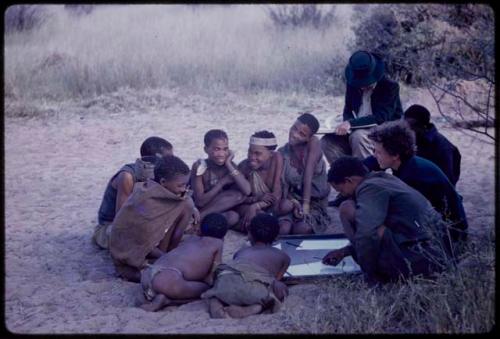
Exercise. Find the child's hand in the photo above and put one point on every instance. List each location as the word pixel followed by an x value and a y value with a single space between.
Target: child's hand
pixel 250 213
pixel 227 179
pixel 196 216
pixel 269 198
pixel 280 289
pixel 230 157
pixel 297 210
pixel 306 208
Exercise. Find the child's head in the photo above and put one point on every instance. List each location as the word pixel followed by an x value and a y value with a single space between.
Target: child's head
pixel 263 228
pixel 216 146
pixel 156 146
pixel 303 129
pixel 262 144
pixel 214 225
pixel 172 173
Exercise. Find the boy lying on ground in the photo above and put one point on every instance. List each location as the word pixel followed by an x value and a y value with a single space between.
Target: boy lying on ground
pixel 182 274
pixel 249 284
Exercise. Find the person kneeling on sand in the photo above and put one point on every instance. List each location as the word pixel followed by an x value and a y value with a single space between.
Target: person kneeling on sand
pixel 153 219
pixel 182 274
pixel 121 184
pixel 249 283
pixel 393 229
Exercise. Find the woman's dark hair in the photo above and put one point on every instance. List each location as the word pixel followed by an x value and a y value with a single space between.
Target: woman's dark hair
pixel 396 138
pixel 309 120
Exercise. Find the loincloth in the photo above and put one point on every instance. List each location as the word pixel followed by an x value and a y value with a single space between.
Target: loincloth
pixel 147 276
pixel 101 235
pixel 235 287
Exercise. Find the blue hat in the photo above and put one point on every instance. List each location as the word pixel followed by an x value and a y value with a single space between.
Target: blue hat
pixel 364 69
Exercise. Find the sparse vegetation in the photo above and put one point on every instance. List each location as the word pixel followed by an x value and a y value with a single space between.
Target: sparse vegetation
pixel 461 300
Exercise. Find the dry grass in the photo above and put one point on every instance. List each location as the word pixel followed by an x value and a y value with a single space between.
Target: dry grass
pixel 461 300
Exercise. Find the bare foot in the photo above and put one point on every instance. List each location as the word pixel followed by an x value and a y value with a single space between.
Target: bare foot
pixel 159 301
pixel 216 309
pixel 243 311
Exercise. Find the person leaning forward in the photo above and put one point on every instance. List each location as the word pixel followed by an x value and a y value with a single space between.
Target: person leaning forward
pixel 370 99
pixel 394 231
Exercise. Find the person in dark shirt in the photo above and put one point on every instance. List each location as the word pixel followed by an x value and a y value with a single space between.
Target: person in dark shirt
pixel 431 144
pixel 122 182
pixel 371 99
pixel 393 230
pixel 394 144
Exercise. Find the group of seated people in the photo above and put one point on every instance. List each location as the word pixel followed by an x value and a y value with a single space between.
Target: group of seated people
pixel 164 223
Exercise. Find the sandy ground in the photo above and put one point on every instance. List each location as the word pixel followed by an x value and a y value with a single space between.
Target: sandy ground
pixel 56 169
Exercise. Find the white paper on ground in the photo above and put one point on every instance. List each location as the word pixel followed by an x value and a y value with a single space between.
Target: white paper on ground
pixel 317 268
pixel 323 244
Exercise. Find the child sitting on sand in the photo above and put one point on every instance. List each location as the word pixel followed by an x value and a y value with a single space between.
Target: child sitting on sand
pixel 213 179
pixel 262 169
pixel 153 219
pixel 249 283
pixel 305 188
pixel 121 184
pixel 184 273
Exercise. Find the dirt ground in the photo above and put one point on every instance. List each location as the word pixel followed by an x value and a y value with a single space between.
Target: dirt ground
pixel 56 169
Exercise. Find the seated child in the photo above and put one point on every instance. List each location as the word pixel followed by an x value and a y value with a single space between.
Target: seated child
pixel 212 179
pixel 262 169
pixel 120 185
pixel 249 283
pixel 182 274
pixel 305 188
pixel 152 220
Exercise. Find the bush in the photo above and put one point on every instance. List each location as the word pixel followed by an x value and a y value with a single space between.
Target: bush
pixel 438 47
pixel 24 17
pixel 296 16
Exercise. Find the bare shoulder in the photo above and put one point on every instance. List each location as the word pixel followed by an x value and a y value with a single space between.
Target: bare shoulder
pixel 123 178
pixel 314 142
pixel 212 242
pixel 195 165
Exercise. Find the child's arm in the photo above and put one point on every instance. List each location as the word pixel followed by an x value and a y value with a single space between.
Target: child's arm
pixel 239 178
pixel 201 197
pixel 285 262
pixel 313 156
pixel 217 260
pixel 277 190
pixel 124 187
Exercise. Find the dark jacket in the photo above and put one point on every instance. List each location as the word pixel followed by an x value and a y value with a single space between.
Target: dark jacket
pixel 434 146
pixel 107 210
pixel 385 102
pixel 424 176
pixel 383 199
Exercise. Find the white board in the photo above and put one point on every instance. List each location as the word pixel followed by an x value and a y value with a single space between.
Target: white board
pixel 306 256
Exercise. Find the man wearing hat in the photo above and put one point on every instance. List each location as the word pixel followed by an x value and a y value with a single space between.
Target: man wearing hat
pixel 370 100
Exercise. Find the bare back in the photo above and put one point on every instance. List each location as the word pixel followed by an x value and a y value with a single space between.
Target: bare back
pixel 194 256
pixel 272 259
